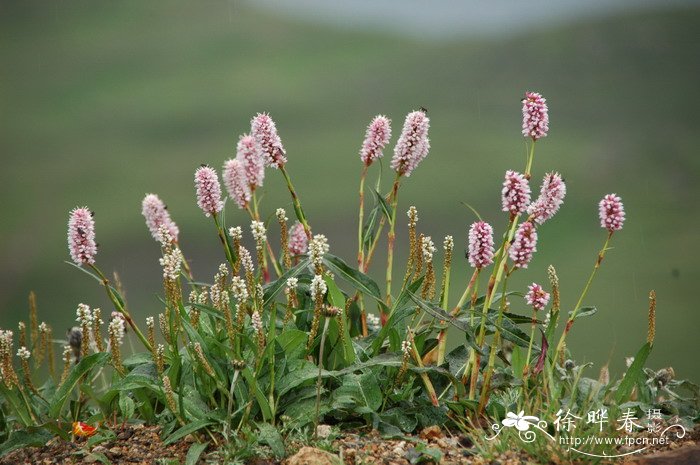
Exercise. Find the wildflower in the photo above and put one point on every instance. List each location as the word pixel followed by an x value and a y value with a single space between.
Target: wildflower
pixel 537 297
pixel 156 214
pixel 23 353
pixel 524 245
pixel 236 182
pixel 292 284
pixel 373 322
pixel 298 241
pixel 292 302
pixel 554 282
pixel 427 248
pixel 376 139
pixel 151 330
pixel 535 116
pixel 236 233
pixel 84 317
pixel 203 360
pixel 318 287
pixel 284 237
pixel 117 328
pixel 413 144
pixel 259 231
pixel 96 326
pixel 427 251
pixel 611 212
pixel 169 395
pixel 208 190
pixel 256 322
pixel 238 364
pixel 551 197
pixel 317 249
pixel 406 348
pixel 160 358
pixel 250 154
pixel 515 195
pixel 480 244
pixel 238 289
pixel 81 236
pixel 67 350
pixel 264 131
pixel 172 264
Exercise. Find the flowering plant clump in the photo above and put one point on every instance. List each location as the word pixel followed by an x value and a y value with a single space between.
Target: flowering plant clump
pixel 277 340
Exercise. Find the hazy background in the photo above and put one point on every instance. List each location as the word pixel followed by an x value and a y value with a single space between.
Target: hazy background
pixel 101 102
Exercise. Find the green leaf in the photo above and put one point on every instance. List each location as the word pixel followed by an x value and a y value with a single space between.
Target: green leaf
pixel 357 279
pixel 585 311
pixel 381 202
pixel 260 397
pixel 300 371
pixel 364 389
pixel 189 428
pixel 126 405
pixel 441 314
pixel 402 309
pixel 78 371
pixel 31 437
pixel 195 452
pixel 336 298
pixel 633 375
pixel 268 434
pixel 272 289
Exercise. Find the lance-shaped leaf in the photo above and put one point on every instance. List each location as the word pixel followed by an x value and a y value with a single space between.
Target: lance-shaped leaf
pixel 81 369
pixel 357 279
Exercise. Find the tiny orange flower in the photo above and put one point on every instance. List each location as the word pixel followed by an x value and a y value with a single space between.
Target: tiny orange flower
pixel 83 430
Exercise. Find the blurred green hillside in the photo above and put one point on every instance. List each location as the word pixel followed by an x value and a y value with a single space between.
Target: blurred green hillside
pixel 102 102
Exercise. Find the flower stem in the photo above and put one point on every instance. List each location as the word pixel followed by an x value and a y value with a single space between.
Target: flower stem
pixel 360 246
pixel 391 236
pixel 224 242
pixel 572 317
pixel 295 200
pixel 492 352
pixel 120 308
pixel 320 373
pixel 526 369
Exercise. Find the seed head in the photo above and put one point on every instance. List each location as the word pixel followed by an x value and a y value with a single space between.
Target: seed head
pixel 256 322
pixel 535 116
pixel 524 245
pixel 376 139
pixel 611 212
pixel 81 236
pixel 298 241
pixel 263 129
pixel 551 197
pixel 208 190
pixel 156 214
pixel 413 144
pixel 480 244
pixel 537 297
pixel 250 154
pixel 515 195
pixel 171 261
pixel 236 182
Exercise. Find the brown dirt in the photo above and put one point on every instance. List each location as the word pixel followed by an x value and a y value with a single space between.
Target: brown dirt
pixel 137 444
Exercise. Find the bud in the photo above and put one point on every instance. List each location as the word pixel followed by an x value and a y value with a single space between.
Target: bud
pixel 611 212
pixel 535 116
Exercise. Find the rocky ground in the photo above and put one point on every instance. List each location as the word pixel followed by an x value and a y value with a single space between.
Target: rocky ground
pixel 138 444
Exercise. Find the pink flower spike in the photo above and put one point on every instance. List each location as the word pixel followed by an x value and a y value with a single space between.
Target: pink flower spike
pixel 81 236
pixel 208 190
pixel 156 214
pixel 250 154
pixel 515 195
pixel 524 245
pixel 298 240
pixel 535 116
pixel 376 139
pixel 537 297
pixel 265 132
pixel 480 244
pixel 236 182
pixel 611 212
pixel 413 144
pixel 551 198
